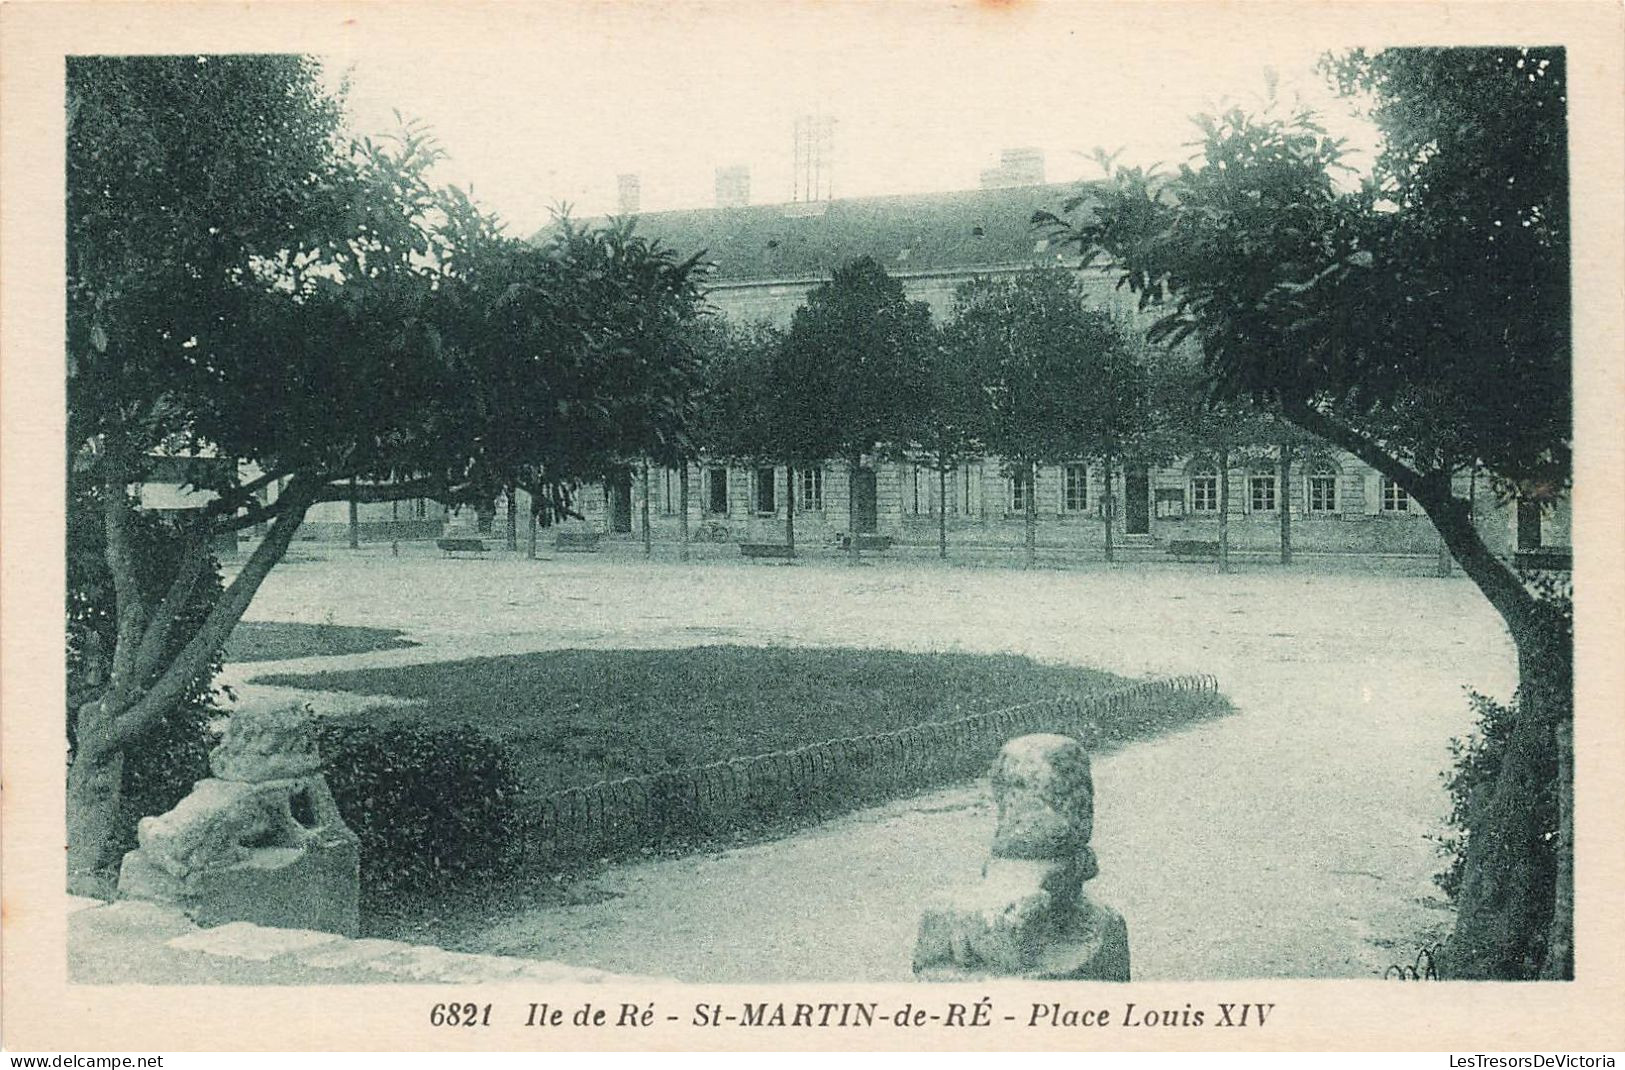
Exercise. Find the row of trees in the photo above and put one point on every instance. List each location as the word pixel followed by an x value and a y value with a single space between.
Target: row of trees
pixel 1024 369
pixel 245 283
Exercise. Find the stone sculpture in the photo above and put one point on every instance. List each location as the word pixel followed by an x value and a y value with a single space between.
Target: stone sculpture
pixel 1028 916
pixel 260 841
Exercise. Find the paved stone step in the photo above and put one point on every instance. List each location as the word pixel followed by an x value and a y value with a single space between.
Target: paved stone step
pixel 131 941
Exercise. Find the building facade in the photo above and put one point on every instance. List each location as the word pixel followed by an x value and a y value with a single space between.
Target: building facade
pixel 767 258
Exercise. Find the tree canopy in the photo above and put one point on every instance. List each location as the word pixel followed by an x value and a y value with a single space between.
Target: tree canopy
pixel 867 343
pixel 312 316
pixel 1420 322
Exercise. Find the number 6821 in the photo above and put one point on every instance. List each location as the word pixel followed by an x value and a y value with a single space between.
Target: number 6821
pixel 464 1014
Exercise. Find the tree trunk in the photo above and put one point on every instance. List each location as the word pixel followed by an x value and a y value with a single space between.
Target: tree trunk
pixel 790 508
pixel 682 509
pixel 530 529
pixel 1285 504
pixel 513 520
pixel 1107 507
pixel 648 537
pixel 1224 510
pixel 1559 963
pixel 355 521
pixel 942 510
pixel 1514 911
pixel 95 792
pixel 1030 501
pixel 134 700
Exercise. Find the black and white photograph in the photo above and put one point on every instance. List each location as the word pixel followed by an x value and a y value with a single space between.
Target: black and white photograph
pixel 1040 524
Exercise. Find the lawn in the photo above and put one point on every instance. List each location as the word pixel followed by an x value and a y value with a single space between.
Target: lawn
pixel 255 640
pixel 579 716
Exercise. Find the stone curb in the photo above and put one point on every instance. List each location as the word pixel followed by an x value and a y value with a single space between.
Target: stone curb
pixel 394 961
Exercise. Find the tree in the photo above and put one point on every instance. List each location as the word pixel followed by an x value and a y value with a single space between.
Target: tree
pixel 1116 406
pixel 1421 323
pixel 754 411
pixel 951 418
pixel 183 175
pixel 574 354
pixel 859 333
pixel 1190 421
pixel 244 288
pixel 1038 356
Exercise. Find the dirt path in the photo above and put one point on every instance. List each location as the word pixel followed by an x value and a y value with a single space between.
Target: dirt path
pixel 1288 840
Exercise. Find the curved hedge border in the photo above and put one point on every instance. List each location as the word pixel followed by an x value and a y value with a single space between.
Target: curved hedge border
pixel 819 779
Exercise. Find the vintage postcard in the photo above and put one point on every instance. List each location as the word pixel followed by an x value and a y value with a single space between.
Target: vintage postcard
pixel 1035 525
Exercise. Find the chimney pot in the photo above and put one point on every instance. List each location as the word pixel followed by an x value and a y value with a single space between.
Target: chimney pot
pixel 733 186
pixel 628 189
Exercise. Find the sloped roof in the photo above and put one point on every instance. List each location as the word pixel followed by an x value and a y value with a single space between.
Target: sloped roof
pixel 926 232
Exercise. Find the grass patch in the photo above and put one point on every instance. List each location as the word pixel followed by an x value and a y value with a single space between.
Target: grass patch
pixel 273 641
pixel 575 717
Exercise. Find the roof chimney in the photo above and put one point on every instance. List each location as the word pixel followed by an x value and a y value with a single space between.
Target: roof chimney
pixel 1017 167
pixel 628 188
pixel 733 186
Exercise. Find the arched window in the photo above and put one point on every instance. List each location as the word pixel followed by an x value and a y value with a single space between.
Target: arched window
pixel 1320 484
pixel 1204 479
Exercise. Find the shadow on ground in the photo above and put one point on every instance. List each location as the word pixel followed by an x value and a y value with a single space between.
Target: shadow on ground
pixel 283 641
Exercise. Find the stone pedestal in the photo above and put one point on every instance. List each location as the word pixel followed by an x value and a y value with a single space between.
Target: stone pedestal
pixel 261 841
pixel 1028 916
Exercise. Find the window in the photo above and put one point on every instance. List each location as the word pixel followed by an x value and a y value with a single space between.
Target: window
pixel 1322 481
pixel 671 491
pixel 766 486
pixel 917 492
pixel 968 496
pixel 717 480
pixel 1170 503
pixel 1394 498
pixel 812 490
pixel 1261 493
pixel 1019 486
pixel 1077 489
pixel 1205 491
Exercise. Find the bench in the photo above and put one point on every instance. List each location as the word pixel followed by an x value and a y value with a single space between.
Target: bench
pixel 454 546
pixel 1546 559
pixel 766 549
pixel 869 542
pixel 1194 548
pixel 577 541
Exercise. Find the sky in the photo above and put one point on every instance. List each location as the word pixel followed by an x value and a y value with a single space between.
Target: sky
pixel 548 105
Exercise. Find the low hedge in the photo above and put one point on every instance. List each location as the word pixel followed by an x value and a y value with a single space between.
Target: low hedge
pixel 429 804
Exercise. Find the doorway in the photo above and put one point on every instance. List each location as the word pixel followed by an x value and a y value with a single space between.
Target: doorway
pixel 864 515
pixel 1137 502
pixel 1528 525
pixel 620 503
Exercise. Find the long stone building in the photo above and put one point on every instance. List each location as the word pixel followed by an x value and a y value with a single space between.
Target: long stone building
pixel 768 257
